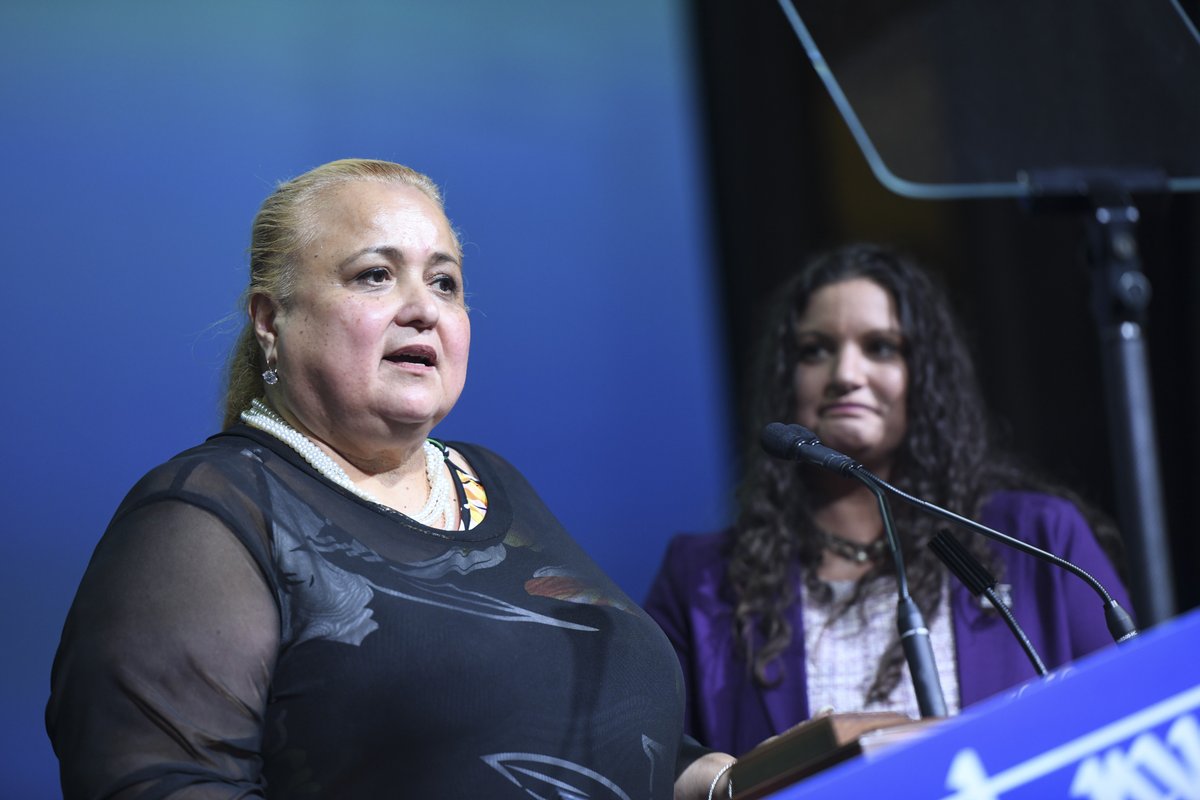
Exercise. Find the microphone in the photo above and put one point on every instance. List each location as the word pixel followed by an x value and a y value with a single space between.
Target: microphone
pixel 801 444
pixel 979 581
pixel 795 442
pixel 798 443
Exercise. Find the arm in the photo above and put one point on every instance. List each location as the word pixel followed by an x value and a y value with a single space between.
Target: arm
pixel 696 781
pixel 161 679
pixel 667 605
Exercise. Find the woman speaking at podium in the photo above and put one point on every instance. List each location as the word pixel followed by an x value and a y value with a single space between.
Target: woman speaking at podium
pixel 321 601
pixel 793 610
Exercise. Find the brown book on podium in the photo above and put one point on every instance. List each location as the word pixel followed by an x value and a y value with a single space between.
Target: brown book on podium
pixel 814 745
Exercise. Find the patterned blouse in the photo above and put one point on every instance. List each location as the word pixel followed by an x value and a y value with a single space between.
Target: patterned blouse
pixel 247 628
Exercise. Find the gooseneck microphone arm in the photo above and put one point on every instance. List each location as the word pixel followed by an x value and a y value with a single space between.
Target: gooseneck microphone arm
pixel 802 444
pixel 780 440
pixel 1120 624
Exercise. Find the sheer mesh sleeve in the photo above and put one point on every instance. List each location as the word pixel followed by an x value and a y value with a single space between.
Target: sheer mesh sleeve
pixel 689 751
pixel 161 679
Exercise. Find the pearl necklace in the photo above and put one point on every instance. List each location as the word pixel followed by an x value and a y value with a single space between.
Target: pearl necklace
pixel 439 509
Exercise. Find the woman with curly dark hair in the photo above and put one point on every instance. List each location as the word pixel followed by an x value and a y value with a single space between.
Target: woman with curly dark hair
pixel 792 611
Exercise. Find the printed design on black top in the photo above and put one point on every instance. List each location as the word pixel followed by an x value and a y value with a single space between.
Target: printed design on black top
pixel 565 584
pixel 327 590
pixel 548 777
pixel 656 753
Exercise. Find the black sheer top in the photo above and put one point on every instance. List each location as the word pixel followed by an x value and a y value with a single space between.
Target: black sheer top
pixel 248 629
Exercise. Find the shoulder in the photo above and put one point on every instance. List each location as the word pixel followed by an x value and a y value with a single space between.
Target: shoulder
pixel 699 548
pixel 690 582
pixel 226 475
pixel 196 502
pixel 494 471
pixel 694 560
pixel 1057 526
pixel 1046 521
pixel 1031 510
pixel 220 459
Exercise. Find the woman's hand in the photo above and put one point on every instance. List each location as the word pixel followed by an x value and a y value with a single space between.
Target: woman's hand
pixel 697 781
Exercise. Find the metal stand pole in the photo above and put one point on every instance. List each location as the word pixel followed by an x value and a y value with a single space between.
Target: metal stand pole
pixel 1121 295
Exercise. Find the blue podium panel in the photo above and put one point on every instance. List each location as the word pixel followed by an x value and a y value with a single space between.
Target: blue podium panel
pixel 1122 724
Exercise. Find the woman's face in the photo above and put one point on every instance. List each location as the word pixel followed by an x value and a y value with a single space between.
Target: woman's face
pixel 373 343
pixel 852 377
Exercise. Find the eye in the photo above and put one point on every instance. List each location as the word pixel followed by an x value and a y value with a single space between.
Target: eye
pixel 446 284
pixel 376 276
pixel 885 348
pixel 811 351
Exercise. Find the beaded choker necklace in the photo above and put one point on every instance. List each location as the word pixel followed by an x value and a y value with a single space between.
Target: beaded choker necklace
pixel 439 508
pixel 853 551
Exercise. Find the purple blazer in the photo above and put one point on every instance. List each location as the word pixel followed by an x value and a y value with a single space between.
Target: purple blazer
pixel 1062 616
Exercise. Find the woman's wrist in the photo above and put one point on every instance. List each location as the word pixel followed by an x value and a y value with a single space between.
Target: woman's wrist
pixel 707 776
pixel 722 782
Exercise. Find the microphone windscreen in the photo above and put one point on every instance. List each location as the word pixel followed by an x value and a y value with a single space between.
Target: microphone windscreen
pixel 779 439
pixel 960 561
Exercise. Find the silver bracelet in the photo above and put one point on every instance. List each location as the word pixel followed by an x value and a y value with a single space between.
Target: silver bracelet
pixel 712 787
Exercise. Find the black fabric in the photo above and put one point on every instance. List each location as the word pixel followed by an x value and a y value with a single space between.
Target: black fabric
pixel 248 629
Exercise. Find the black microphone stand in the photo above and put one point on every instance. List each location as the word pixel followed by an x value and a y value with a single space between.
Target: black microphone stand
pixel 914 634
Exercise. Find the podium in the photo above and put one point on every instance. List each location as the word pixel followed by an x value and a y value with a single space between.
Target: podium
pixel 1121 723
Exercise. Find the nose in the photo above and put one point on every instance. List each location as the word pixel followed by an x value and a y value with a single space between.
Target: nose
pixel 848 370
pixel 418 307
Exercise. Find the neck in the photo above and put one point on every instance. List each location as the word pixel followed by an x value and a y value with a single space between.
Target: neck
pixel 850 510
pixel 418 491
pixel 385 464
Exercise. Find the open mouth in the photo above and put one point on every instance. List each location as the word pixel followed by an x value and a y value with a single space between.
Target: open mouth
pixel 416 354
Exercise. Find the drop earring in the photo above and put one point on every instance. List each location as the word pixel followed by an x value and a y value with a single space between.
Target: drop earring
pixel 270 375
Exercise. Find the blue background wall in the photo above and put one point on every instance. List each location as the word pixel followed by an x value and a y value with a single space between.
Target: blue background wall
pixel 138 139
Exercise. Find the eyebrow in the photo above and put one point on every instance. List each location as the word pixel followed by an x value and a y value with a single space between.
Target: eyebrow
pixel 394 254
pixel 821 334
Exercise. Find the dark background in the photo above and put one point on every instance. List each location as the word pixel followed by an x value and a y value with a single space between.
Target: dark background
pixel 788 179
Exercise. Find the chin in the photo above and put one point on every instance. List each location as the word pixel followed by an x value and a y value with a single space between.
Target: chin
pixel 412 407
pixel 409 416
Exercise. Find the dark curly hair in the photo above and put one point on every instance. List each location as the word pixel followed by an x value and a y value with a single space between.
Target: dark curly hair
pixel 948 457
